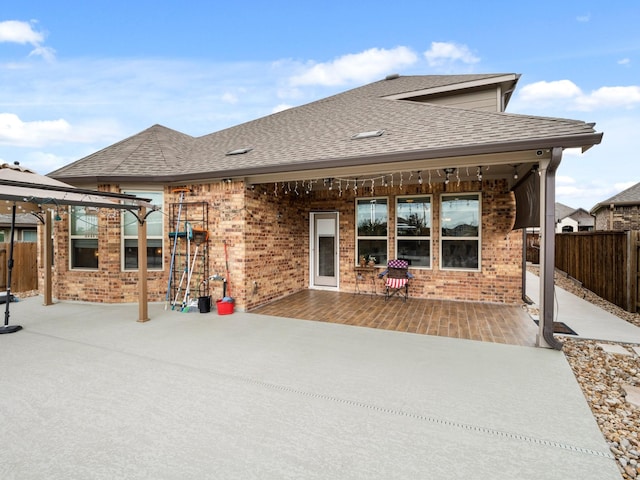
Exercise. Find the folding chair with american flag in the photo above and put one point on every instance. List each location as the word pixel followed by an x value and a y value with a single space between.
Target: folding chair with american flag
pixel 397 280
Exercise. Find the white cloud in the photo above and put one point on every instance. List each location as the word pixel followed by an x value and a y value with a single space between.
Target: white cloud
pixel 48 53
pixel 356 68
pixel 281 107
pixel 446 53
pixel 23 33
pixel 229 97
pixel 624 61
pixel 572 152
pixel 545 91
pixel 584 18
pixel 564 180
pixel 568 94
pixel 46 162
pixel 13 31
pixel 610 97
pixel 622 186
pixel 14 131
pixel 568 190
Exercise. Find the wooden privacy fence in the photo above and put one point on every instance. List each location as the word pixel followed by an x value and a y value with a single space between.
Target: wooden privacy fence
pixel 24 276
pixel 605 262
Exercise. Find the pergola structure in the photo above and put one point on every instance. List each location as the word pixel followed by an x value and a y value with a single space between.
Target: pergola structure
pixel 30 192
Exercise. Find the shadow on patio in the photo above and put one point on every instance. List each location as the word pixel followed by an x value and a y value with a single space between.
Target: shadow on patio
pixel 509 324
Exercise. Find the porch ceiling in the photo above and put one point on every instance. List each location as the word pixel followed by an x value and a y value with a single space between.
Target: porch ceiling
pixel 512 165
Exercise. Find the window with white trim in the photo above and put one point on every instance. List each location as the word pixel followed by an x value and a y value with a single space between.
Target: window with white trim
pixel 460 232
pixel 371 229
pixel 155 227
pixel 29 235
pixel 83 237
pixel 413 230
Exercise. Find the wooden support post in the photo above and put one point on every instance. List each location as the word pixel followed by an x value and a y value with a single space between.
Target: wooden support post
pixel 143 310
pixel 47 257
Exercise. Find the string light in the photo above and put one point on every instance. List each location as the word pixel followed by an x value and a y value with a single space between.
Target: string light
pixel 386 180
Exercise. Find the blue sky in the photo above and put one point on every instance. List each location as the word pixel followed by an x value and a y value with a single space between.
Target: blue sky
pixel 77 76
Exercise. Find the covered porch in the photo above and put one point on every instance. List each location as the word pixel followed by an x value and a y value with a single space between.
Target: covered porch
pixel 486 322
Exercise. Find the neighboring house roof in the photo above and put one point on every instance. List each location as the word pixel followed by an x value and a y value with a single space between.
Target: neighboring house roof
pixel 318 136
pixel 23 220
pixel 579 215
pixel 628 197
pixel 563 211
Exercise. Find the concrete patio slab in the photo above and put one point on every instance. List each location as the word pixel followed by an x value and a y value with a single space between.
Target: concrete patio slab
pixel 89 393
pixel 587 320
pixel 615 349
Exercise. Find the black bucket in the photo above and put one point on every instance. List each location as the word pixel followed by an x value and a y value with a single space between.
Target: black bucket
pixel 204 304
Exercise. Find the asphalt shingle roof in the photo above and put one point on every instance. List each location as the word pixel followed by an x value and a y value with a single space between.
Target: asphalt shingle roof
pixel 563 211
pixel 630 196
pixel 321 132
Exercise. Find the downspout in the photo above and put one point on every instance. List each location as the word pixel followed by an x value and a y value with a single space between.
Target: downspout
pixel 524 265
pixel 547 251
pixel 525 297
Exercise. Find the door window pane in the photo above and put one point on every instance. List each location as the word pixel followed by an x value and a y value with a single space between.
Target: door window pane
pixel 326 255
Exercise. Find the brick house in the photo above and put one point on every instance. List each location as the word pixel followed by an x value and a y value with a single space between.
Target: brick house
pixel 426 168
pixel 26 227
pixel 569 219
pixel 620 212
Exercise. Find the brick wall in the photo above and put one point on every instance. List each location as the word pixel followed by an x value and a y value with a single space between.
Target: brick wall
pixel 620 219
pixel 266 232
pixel 285 243
pixel 276 244
pixel 501 276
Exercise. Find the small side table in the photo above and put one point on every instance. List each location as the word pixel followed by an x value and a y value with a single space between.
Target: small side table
pixel 363 275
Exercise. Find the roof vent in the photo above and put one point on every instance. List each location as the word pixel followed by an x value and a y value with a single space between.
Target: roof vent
pixel 239 151
pixel 373 133
pixel 393 76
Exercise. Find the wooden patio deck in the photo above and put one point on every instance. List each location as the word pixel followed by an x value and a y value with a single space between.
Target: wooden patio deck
pixel 508 324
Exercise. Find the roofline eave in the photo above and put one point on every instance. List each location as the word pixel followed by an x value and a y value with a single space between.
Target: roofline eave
pixel 608 205
pixel 584 141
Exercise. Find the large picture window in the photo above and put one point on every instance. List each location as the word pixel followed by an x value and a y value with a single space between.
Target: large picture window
pixel 371 229
pixel 83 237
pixel 460 220
pixel 154 235
pixel 413 230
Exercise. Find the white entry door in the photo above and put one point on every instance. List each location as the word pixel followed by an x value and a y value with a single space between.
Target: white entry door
pixel 324 259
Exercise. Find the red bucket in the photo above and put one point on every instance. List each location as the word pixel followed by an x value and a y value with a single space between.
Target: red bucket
pixel 224 308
